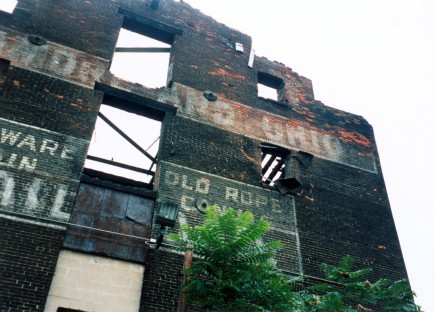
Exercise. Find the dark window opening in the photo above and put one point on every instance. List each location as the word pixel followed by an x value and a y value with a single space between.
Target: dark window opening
pixel 124 145
pixel 4 68
pixel 274 160
pixel 281 168
pixel 8 6
pixel 143 50
pixel 269 87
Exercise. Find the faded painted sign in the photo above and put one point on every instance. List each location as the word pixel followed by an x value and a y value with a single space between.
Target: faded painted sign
pixel 186 186
pixel 31 148
pixel 272 128
pixel 57 60
pixel 39 170
pixel 37 196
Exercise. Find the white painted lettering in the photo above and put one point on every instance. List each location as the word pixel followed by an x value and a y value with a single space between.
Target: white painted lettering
pixel 35 196
pixel 66 153
pixel 318 145
pixel 86 71
pixel 63 60
pixel 32 201
pixel 272 130
pixel 224 114
pixel 261 201
pixel 171 178
pixel 12 159
pixel 28 141
pixel 298 137
pixel 49 145
pixel 231 194
pixel 184 183
pixel 7 189
pixel 3 36
pixel 246 198
pixel 26 164
pixel 276 206
pixel 9 135
pixel 187 203
pixel 202 186
pixel 58 203
pixel 333 147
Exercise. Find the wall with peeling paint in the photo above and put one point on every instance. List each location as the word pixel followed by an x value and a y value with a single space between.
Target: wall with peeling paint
pixel 55 73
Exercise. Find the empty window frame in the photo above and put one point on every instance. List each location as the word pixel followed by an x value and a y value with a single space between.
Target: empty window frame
pixel 4 68
pixel 124 145
pixel 8 6
pixel 269 87
pixel 143 50
pixel 273 163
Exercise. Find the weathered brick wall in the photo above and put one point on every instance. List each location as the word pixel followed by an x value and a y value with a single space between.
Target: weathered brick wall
pixel 204 147
pixel 44 139
pixel 162 280
pixel 185 186
pixel 345 211
pixel 28 257
pixel 47 113
pixel 50 95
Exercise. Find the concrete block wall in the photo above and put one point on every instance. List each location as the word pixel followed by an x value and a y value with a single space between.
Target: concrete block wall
pixel 92 283
pixel 54 73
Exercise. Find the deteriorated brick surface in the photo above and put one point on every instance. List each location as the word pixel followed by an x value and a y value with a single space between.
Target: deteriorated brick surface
pixel 28 257
pixel 50 95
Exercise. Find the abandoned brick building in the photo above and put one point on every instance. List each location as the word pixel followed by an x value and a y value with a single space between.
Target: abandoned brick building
pixel 82 219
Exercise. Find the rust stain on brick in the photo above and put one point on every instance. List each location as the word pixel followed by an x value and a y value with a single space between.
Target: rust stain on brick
pixel 80 106
pixel 206 180
pixel 353 137
pixel 58 96
pixel 252 159
pixel 225 74
pixel 242 176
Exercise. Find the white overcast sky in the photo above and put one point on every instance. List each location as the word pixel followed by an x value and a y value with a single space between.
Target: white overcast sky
pixel 374 58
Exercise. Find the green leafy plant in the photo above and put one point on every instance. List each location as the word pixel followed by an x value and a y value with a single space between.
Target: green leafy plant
pixel 234 271
pixel 350 290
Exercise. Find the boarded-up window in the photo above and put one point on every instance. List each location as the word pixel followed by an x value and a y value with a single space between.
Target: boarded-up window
pixel 114 223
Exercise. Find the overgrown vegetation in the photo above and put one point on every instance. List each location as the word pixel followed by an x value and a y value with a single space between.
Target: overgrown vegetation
pixel 233 270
